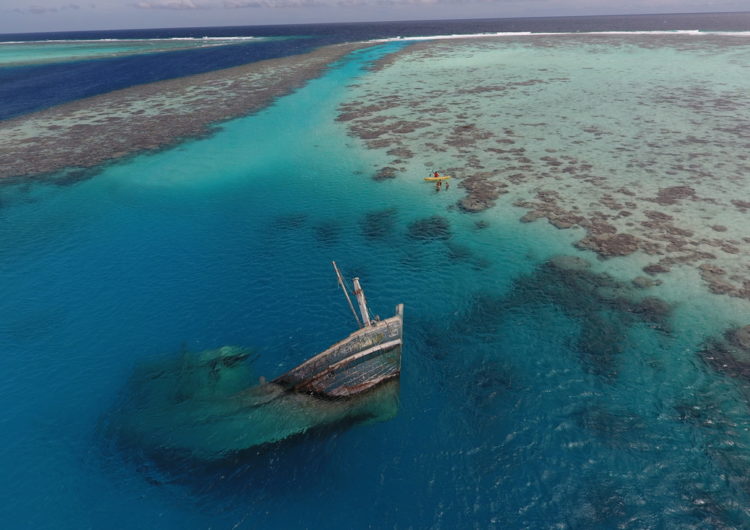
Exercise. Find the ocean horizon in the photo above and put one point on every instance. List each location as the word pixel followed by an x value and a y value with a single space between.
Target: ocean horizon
pixel 577 299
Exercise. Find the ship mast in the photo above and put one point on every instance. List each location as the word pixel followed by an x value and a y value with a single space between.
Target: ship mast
pixel 346 294
pixel 360 294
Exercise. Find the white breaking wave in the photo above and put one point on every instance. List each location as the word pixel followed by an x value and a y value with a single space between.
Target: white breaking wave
pixel 693 32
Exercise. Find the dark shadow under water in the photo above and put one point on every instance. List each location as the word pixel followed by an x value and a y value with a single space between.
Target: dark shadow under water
pixel 158 428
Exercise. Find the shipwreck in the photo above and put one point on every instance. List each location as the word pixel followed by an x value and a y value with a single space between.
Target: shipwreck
pixel 209 404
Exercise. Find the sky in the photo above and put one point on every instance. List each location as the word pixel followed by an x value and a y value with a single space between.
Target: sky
pixel 19 16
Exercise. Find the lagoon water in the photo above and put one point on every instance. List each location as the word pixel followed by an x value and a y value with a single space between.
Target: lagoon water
pixel 526 401
pixel 20 52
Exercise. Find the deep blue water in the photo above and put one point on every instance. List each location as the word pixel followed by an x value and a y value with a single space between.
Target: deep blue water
pixel 25 89
pixel 524 403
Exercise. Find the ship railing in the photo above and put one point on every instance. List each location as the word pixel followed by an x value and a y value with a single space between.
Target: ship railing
pixel 384 331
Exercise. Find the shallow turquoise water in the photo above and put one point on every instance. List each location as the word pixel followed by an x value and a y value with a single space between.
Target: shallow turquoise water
pixel 15 53
pixel 523 403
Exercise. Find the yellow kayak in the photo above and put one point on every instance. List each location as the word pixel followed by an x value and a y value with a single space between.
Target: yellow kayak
pixel 433 179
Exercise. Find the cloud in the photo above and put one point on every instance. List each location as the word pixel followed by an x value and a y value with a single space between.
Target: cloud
pixel 280 4
pixel 414 2
pixel 273 4
pixel 168 4
pixel 35 9
pixel 426 3
pixel 40 10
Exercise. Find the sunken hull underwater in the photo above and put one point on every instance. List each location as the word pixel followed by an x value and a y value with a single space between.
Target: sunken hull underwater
pixel 202 405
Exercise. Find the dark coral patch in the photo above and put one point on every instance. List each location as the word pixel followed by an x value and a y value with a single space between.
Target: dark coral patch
pixel 729 354
pixel 673 194
pixel 385 173
pixel 605 308
pixel 607 245
pixel 290 222
pixel 378 224
pixel 328 232
pixel 430 228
